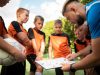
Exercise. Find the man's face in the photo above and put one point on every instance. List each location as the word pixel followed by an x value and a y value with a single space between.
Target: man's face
pixel 73 14
pixel 3 2
pixel 74 18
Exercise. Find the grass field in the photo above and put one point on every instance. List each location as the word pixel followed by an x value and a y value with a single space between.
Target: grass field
pixel 49 72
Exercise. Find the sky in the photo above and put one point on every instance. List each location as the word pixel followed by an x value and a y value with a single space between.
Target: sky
pixel 49 9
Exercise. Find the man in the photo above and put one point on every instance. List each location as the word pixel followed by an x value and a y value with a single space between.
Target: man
pixel 75 12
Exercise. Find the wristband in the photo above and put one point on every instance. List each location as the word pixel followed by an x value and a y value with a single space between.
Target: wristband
pixel 72 69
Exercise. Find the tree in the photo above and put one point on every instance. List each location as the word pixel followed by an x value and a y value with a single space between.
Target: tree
pixel 67 28
pixel 85 1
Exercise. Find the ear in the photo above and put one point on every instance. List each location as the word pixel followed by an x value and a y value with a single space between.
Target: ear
pixel 73 9
pixel 18 14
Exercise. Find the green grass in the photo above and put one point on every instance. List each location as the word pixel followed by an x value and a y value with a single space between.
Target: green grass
pixel 50 72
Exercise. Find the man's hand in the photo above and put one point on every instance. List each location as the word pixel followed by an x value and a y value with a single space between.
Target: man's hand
pixel 65 67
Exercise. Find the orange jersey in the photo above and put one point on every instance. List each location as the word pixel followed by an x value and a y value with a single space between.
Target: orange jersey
pixel 38 35
pixel 60 44
pixel 3 30
pixel 79 45
pixel 14 29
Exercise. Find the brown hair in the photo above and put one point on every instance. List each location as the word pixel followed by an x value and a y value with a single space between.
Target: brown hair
pixel 58 22
pixel 38 17
pixel 3 2
pixel 66 4
pixel 20 10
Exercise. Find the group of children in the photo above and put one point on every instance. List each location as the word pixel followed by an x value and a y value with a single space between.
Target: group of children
pixel 34 41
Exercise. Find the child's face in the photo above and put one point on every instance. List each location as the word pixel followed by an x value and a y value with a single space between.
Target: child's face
pixel 79 33
pixel 38 24
pixel 24 16
pixel 57 28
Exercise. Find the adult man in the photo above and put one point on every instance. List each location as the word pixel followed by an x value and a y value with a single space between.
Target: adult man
pixel 75 12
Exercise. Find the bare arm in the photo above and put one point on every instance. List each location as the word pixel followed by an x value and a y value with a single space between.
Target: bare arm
pixel 24 39
pixel 42 48
pixel 35 46
pixel 50 51
pixel 93 58
pixel 7 36
pixel 12 50
pixel 83 52
pixel 90 60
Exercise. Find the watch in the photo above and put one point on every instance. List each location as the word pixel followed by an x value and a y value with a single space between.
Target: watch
pixel 72 69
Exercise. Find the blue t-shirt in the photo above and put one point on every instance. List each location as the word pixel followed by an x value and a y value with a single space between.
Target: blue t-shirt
pixel 93 18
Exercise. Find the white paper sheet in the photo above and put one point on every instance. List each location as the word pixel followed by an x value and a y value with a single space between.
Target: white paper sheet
pixel 53 63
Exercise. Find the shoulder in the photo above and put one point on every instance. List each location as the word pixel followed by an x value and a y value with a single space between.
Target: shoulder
pixel 15 23
pixel 16 26
pixel 41 32
pixel 30 30
pixel 53 34
pixel 65 35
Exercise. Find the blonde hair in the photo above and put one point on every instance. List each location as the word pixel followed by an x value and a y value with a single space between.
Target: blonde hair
pixel 20 10
pixel 38 17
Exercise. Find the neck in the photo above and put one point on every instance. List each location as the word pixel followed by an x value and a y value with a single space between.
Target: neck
pixel 19 21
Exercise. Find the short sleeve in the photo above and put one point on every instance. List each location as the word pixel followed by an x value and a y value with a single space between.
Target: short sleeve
pixel 30 33
pixel 3 29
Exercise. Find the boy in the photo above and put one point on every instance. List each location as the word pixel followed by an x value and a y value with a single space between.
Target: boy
pixel 17 31
pixel 60 44
pixel 38 42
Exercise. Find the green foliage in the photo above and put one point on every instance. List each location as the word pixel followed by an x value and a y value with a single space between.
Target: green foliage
pixel 85 1
pixel 69 29
pixel 48 29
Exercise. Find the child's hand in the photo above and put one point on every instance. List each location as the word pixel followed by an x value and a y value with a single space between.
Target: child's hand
pixel 71 56
pixel 39 58
pixel 65 67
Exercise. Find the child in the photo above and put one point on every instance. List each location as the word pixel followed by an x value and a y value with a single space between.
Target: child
pixel 82 41
pixel 59 43
pixel 17 31
pixel 38 41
